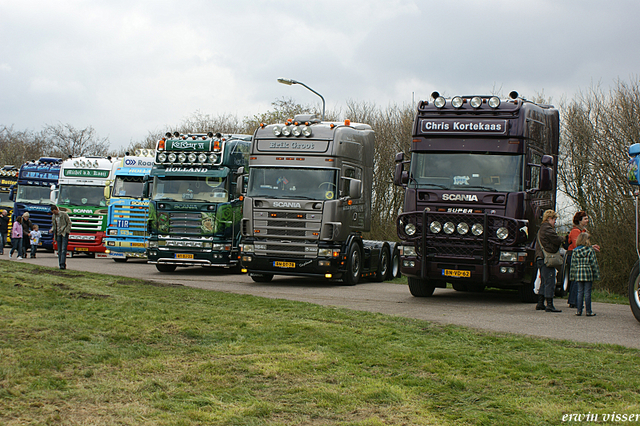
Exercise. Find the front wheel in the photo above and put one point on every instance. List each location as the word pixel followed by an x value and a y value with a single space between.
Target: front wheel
pixel 354 265
pixel 165 268
pixel 634 290
pixel 420 288
pixel 119 259
pixel 262 278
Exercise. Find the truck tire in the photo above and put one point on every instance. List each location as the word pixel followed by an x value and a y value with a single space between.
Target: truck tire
pixel 384 263
pixel 119 259
pixel 525 291
pixel 165 268
pixel 395 264
pixel 354 265
pixel 420 288
pixel 262 278
pixel 634 290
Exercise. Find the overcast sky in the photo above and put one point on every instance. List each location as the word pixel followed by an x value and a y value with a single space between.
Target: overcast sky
pixel 128 67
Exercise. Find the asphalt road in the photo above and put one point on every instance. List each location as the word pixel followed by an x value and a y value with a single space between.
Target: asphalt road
pixel 499 311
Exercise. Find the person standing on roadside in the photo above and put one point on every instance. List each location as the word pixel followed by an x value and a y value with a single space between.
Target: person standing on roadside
pixel 26 229
pixel 34 238
pixel 551 241
pixel 580 222
pixel 61 230
pixel 16 237
pixel 584 271
pixel 4 227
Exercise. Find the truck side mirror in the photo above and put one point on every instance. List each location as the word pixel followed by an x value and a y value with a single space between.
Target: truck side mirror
pixel 53 195
pixel 399 157
pixel 547 160
pixel 12 193
pixel 107 190
pixel 545 179
pixel 355 188
pixel 401 176
pixel 145 187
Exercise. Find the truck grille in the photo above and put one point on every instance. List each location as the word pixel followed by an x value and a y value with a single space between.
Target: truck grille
pixel 458 243
pixel 88 223
pixel 300 228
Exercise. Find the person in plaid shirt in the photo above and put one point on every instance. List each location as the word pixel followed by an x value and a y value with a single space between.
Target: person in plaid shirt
pixel 584 271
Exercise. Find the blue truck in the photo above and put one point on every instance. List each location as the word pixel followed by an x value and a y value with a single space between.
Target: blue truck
pixel 32 192
pixel 128 211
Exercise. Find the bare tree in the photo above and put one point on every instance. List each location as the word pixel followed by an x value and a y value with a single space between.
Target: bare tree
pixel 597 130
pixel 65 140
pixel 20 146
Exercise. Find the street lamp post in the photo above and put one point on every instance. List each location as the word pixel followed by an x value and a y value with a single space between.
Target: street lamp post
pixel 289 82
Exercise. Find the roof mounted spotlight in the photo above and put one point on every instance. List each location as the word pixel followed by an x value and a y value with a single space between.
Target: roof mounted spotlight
pixel 513 95
pixel 435 95
pixel 476 102
pixel 176 134
pixel 457 102
pixel 219 135
pixel 167 135
pixel 210 134
pixel 494 102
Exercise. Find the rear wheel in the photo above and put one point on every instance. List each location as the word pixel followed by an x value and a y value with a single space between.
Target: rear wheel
pixel 119 259
pixel 420 288
pixel 354 265
pixel 165 268
pixel 395 264
pixel 383 266
pixel 634 290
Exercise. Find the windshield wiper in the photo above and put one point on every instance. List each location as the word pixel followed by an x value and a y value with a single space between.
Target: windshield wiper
pixel 422 185
pixel 485 188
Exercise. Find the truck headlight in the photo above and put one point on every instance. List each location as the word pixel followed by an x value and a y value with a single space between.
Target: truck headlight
pixel 508 256
pixel 248 248
pixel 502 233
pixel 153 244
pixel 410 229
pixel 435 227
pixel 407 251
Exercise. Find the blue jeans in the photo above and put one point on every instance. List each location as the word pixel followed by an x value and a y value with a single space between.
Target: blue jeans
pixel 62 241
pixel 16 245
pixel 584 290
pixel 3 238
pixel 548 280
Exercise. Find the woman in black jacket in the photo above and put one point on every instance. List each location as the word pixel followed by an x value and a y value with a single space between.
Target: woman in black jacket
pixel 551 241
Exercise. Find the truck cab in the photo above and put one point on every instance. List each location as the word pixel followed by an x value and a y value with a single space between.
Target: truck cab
pixel 308 201
pixel 481 172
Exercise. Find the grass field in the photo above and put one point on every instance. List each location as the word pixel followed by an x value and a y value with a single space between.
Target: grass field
pixel 87 349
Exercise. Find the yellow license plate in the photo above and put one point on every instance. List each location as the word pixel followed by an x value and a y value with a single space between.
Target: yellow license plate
pixel 81 249
pixel 456 273
pixel 184 256
pixel 137 244
pixel 279 264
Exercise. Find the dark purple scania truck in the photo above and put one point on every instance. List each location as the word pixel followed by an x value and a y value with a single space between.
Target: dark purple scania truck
pixel 480 175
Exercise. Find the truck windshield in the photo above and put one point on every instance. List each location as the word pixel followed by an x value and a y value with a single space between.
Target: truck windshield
pixel 462 171
pixel 210 189
pixel 82 195
pixel 33 194
pixel 127 186
pixel 308 184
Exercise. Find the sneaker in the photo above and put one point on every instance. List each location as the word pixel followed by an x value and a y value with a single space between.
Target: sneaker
pixel 10 255
pixel 579 314
pixel 591 314
pixel 19 257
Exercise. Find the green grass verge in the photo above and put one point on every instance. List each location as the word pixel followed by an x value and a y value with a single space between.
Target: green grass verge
pixel 87 349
